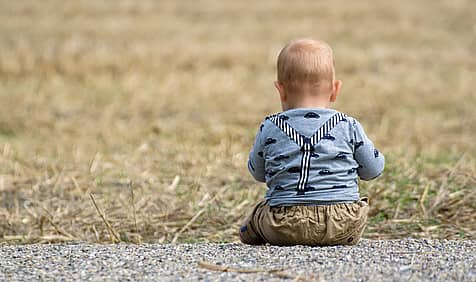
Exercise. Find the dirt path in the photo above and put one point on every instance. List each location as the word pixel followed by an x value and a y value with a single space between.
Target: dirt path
pixel 397 260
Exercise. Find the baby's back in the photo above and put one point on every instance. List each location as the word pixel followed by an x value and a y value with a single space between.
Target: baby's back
pixel 313 156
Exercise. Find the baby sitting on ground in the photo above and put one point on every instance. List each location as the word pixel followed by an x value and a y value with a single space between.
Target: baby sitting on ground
pixel 310 157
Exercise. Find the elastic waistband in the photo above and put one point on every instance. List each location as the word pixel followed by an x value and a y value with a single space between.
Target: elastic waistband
pixel 323 203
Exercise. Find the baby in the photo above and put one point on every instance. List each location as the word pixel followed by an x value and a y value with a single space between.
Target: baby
pixel 310 157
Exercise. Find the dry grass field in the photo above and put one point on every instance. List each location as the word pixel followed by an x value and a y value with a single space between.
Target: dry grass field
pixel 132 120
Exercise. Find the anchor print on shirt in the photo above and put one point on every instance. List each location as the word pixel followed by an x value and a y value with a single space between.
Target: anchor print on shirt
pixel 359 144
pixel 278 188
pixel 260 154
pixel 329 137
pixel 376 153
pixel 270 141
pixel 261 127
pixel 314 155
pixel 341 156
pixel 325 172
pixel 295 169
pixel 281 157
pixel 271 172
pixel 312 115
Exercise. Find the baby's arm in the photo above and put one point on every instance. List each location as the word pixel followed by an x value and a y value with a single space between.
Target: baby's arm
pixel 256 159
pixel 371 161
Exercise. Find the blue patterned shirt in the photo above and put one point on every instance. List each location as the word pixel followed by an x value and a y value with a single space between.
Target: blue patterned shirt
pixel 339 158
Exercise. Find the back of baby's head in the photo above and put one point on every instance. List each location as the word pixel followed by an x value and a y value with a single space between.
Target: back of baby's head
pixel 305 62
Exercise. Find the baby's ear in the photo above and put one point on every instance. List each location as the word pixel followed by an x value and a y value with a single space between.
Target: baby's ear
pixel 282 93
pixel 335 90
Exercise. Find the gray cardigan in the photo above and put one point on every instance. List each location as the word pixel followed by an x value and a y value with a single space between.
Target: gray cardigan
pixel 342 154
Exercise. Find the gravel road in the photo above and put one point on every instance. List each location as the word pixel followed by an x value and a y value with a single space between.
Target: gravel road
pixel 371 260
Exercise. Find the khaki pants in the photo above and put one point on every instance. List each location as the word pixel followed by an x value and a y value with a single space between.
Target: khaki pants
pixel 339 224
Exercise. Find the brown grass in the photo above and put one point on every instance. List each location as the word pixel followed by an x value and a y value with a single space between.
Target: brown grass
pixel 131 120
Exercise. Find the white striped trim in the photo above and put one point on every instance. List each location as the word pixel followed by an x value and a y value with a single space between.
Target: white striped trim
pixel 287 129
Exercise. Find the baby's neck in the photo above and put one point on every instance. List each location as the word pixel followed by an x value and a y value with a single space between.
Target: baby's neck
pixel 307 104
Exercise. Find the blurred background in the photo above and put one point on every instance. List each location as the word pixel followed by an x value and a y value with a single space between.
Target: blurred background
pixel 132 120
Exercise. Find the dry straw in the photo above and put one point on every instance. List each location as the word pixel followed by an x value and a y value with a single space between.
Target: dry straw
pixel 132 123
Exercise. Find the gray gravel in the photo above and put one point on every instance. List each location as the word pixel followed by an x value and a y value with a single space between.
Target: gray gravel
pixel 389 260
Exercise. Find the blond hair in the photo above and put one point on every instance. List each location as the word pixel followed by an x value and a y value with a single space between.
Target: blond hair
pixel 305 62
